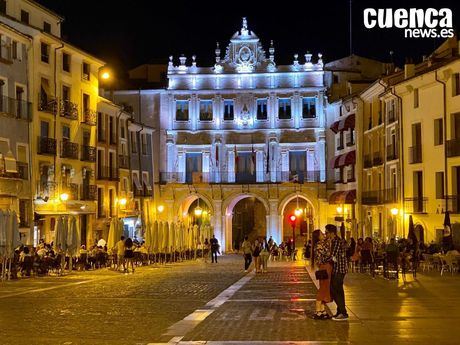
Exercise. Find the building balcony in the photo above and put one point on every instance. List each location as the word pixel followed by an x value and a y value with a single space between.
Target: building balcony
pixel 142 192
pixel 107 173
pixel 112 138
pixel 101 135
pixel 226 177
pixel 391 195
pixel 367 161
pixel 47 104
pixel 46 189
pixel 69 150
pixel 89 117
pixel 391 116
pixel 88 192
pixel 377 159
pixel 123 162
pixel 23 170
pixel 392 153
pixel 415 154
pixel 453 147
pixel 373 197
pixel 46 146
pixel 453 204
pixel 88 153
pixel 18 109
pixel 68 109
pixel 415 205
pixel 72 190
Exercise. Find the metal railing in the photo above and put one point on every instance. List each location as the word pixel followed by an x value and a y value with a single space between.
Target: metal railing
pixel 415 205
pixel 23 170
pixel 47 104
pixel 46 146
pixel 89 117
pixel 453 204
pixel 123 162
pixel 231 177
pixel 88 192
pixel 142 192
pixel 88 153
pixel 68 109
pixel 377 159
pixel 373 197
pixel 107 173
pixel 367 161
pixel 392 153
pixel 69 149
pixel 15 108
pixel 72 190
pixel 45 188
pixel 453 147
pixel 415 154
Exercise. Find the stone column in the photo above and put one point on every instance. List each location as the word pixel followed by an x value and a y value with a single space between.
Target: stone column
pixel 321 155
pixel 260 171
pixel 231 166
pixel 217 223
pixel 205 168
pixel 181 166
pixel 274 228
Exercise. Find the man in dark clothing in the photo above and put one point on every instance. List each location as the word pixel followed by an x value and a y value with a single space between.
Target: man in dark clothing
pixel 214 248
pixel 340 269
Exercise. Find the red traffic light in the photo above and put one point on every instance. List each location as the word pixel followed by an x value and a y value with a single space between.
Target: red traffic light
pixel 292 218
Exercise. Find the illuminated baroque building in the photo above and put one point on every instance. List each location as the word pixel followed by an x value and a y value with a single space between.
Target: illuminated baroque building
pixel 243 128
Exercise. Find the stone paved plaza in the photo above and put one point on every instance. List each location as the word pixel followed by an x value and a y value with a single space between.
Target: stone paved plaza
pixel 198 303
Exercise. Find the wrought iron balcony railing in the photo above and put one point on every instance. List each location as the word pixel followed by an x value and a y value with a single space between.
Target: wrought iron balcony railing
pixel 89 117
pixel 46 146
pixel 72 190
pixel 392 153
pixel 88 153
pixel 107 173
pixel 368 161
pixel 69 149
pixel 68 109
pixel 47 104
pixel 415 154
pixel 123 162
pixel 88 192
pixel 377 159
pixel 453 147
pixel 453 204
pixel 15 108
pixel 240 177
pixel 23 170
pixel 415 205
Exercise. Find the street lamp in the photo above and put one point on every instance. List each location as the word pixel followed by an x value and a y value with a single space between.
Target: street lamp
pixel 339 209
pixel 298 211
pixel 394 212
pixel 64 197
pixel 198 210
pixel 122 202
pixel 292 220
pixel 160 208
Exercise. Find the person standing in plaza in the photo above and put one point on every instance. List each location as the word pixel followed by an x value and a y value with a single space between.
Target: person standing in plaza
pixel 129 254
pixel 264 254
pixel 256 255
pixel 246 247
pixel 339 270
pixel 214 248
pixel 321 259
pixel 120 247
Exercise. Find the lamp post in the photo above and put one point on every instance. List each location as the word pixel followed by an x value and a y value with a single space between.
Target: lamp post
pixel 292 220
pixel 394 212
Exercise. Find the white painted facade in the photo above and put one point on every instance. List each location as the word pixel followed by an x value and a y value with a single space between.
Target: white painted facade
pixel 243 127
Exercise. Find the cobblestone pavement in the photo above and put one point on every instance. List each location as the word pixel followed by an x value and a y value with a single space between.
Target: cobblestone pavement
pixel 106 307
pixel 197 303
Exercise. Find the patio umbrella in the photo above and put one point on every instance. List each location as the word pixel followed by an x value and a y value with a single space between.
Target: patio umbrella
pixel 113 232
pixel 447 241
pixel 2 233
pixel 60 235
pixel 172 237
pixel 72 238
pixel 148 236
pixel 195 236
pixel 155 237
pixel 411 233
pixel 342 230
pixel 165 238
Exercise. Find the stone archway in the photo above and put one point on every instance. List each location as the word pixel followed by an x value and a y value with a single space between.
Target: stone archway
pixel 181 208
pixel 284 203
pixel 228 206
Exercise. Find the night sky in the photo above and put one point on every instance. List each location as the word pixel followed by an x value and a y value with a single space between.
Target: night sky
pixel 129 33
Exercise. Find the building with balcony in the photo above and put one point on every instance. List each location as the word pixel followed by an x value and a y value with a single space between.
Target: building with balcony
pixel 113 178
pixel 15 117
pixel 63 83
pixel 429 95
pixel 244 134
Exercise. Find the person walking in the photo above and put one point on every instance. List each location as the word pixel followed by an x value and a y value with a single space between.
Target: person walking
pixel 247 253
pixel 214 248
pixel 129 254
pixel 120 248
pixel 206 247
pixel 264 254
pixel 256 255
pixel 321 259
pixel 339 270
